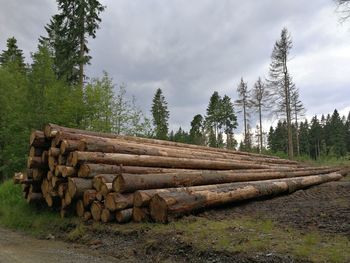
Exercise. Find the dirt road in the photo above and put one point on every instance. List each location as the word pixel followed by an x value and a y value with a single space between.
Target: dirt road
pixel 16 247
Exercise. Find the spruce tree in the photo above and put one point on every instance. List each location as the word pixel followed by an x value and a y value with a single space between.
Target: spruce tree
pixel 197 129
pixel 160 115
pixel 280 81
pixel 337 140
pixel 304 139
pixel 297 110
pixel 213 118
pixel 12 57
pixel 228 121
pixel 347 133
pixel 315 134
pixel 69 31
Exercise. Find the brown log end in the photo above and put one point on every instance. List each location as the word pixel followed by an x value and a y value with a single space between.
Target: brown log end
pixel 96 210
pixel 141 214
pixel 87 216
pixel 106 216
pixel 158 209
pixel 124 216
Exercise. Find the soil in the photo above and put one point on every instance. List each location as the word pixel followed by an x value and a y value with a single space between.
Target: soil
pixel 325 208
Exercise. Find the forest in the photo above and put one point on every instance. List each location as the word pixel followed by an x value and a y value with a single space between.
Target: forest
pixel 53 88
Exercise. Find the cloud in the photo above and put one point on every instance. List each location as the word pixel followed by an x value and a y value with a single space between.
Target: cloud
pixel 192 48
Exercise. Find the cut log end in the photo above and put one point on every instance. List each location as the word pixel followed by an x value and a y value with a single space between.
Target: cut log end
pixel 80 208
pixel 158 209
pixel 124 216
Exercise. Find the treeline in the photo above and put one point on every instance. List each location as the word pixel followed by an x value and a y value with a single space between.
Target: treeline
pixel 326 137
pixel 54 88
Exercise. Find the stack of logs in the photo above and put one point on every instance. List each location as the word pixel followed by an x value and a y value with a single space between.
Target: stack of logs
pixel 110 177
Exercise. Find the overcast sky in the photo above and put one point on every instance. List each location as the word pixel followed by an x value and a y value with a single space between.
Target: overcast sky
pixel 191 48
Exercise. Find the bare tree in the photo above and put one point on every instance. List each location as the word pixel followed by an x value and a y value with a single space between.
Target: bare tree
pixel 280 81
pixel 260 98
pixel 244 103
pixel 298 110
pixel 343 9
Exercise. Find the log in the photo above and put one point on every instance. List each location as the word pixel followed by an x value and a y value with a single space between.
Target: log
pixel 99 196
pixel 96 210
pixel 92 169
pixel 87 216
pixel 98 180
pixel 52 130
pixel 38 174
pixel 159 161
pixel 18 178
pixel 80 209
pixel 77 186
pixel 59 170
pixel 36 162
pixel 54 152
pixel 69 171
pixel 130 183
pixel 124 216
pixel 62 159
pixel 34 151
pixel 164 206
pixel 56 181
pixel 37 139
pixel 105 189
pixel 141 214
pixel 68 146
pixel 62 188
pixel 105 145
pixel 89 197
pixel 34 198
pixel 45 157
pixel 45 187
pixel 106 216
pixel 67 198
pixel 116 201
pixel 52 162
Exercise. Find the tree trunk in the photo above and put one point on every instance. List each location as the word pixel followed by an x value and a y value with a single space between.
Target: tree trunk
pixel 77 186
pixel 129 183
pixel 116 201
pixel 163 206
pixel 124 216
pixel 160 161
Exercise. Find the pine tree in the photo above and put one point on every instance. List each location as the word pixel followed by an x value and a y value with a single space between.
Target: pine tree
pixel 304 139
pixel 197 130
pixel 213 118
pixel 260 98
pixel 228 121
pixel 244 103
pixel 160 115
pixel 338 138
pixel 12 57
pixel 69 31
pixel 280 80
pixel 315 138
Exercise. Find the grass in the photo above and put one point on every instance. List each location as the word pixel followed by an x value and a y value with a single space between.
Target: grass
pixel 15 213
pixel 252 235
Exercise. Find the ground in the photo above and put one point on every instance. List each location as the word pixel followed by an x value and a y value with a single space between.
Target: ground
pixel 310 225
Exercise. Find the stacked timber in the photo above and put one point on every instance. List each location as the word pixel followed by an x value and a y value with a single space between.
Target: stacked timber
pixel 109 177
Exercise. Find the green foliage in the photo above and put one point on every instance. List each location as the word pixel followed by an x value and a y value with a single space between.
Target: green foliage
pixel 12 57
pixel 17 214
pixel 160 115
pixel 197 130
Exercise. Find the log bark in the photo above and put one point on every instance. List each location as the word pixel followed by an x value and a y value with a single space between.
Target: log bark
pixel 89 197
pixel 124 216
pixel 69 171
pixel 77 186
pixel 52 130
pixel 163 206
pixel 116 201
pixel 158 161
pixel 92 169
pixel 141 214
pixel 130 183
pixel 106 145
